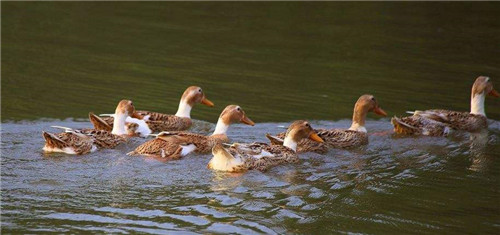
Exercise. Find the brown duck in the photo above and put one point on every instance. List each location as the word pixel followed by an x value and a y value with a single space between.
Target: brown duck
pixel 261 156
pixel 150 122
pixel 438 122
pixel 88 140
pixel 174 145
pixel 355 136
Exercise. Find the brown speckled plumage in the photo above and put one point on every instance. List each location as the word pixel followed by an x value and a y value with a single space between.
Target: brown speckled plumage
pixel 437 122
pixel 343 138
pixel 79 144
pixel 248 152
pixel 163 122
pixel 464 121
pixel 260 156
pixel 334 138
pixel 104 139
pixel 159 148
pixel 158 122
pixel 99 123
pixel 418 125
pixel 172 142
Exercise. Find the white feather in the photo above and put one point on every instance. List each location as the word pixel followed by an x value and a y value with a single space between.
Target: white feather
pixel 186 149
pixel 143 129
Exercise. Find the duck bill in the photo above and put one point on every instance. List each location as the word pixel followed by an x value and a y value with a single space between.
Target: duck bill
pixel 207 102
pixel 247 121
pixel 494 93
pixel 316 138
pixel 380 111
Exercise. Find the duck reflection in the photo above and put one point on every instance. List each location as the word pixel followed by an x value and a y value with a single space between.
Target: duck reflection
pixel 478 151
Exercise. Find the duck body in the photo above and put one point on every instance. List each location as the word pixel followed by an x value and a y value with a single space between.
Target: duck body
pixel 334 138
pixel 254 156
pixel 69 143
pixel 83 141
pixel 162 149
pixel 463 121
pixel 353 137
pixel 151 122
pixel 167 143
pixel 104 139
pixel 419 125
pixel 261 156
pixel 438 122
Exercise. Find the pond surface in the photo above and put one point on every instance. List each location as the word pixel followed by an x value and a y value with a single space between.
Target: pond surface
pixel 442 185
pixel 280 62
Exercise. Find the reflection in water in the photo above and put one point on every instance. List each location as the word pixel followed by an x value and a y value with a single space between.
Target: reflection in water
pixel 478 151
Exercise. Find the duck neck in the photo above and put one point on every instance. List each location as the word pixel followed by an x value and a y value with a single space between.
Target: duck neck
pixel 290 143
pixel 119 124
pixel 221 127
pixel 477 104
pixel 358 120
pixel 184 109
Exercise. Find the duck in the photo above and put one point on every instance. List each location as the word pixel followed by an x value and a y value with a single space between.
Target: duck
pixel 174 145
pixel 261 156
pixel 353 137
pixel 83 141
pixel 101 125
pixel 440 122
pixel 151 122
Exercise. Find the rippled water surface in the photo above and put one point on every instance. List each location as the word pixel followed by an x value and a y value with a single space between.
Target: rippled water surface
pixel 280 62
pixel 392 185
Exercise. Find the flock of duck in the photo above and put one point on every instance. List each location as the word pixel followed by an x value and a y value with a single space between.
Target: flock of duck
pixel 173 142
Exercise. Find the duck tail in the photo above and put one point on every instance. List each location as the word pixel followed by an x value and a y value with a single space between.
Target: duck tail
pixel 53 141
pixel 99 123
pixel 66 129
pixel 132 153
pixel 274 139
pixel 401 127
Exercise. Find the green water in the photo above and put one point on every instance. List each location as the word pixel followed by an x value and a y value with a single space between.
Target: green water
pixel 280 61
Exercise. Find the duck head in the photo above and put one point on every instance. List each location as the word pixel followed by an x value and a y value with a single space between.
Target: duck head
pixel 297 131
pixel 366 103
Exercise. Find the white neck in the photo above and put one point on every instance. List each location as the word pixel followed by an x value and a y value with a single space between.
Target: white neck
pixel 184 110
pixel 289 142
pixel 119 124
pixel 221 127
pixel 357 127
pixel 477 104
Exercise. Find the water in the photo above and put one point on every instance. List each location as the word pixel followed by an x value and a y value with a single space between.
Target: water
pixel 280 62
pixel 392 185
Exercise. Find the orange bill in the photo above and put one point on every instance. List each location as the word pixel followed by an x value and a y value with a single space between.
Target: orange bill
pixel 207 102
pixel 316 138
pixel 380 111
pixel 495 93
pixel 247 121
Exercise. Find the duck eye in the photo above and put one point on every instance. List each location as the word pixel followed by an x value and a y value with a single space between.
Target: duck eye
pixel 373 98
pixel 199 90
pixel 238 109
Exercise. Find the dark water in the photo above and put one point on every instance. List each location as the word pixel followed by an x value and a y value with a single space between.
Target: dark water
pixel 280 62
